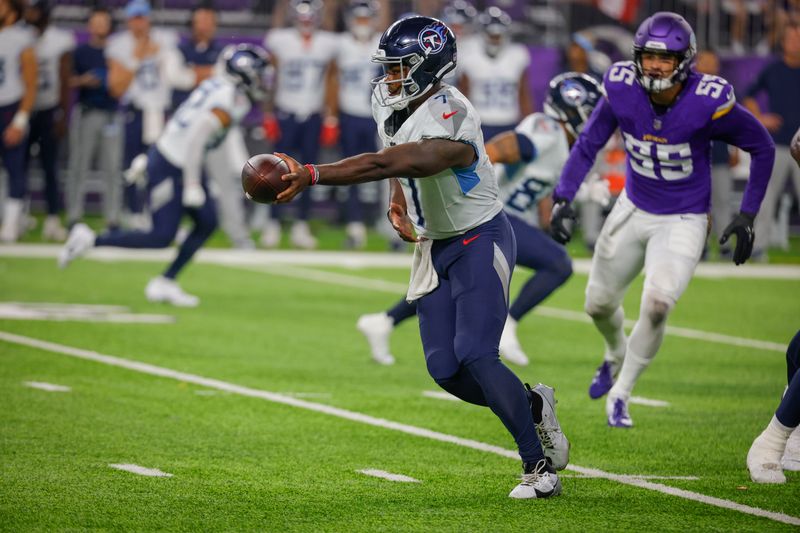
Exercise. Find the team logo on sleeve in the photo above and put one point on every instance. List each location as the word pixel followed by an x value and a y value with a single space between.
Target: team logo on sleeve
pixel 573 93
pixel 432 38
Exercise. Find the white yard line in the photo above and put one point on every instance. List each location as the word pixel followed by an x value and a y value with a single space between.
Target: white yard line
pixel 49 387
pixel 140 470
pixel 388 475
pixel 210 383
pixel 633 476
pixel 638 400
pixel 353 260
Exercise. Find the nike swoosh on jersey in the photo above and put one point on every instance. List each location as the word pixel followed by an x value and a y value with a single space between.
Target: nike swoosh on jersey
pixel 448 115
pixel 467 241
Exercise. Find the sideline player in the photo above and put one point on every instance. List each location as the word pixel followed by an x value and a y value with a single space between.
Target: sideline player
pixel 465 251
pixel 48 124
pixel 17 95
pixel 176 183
pixel 541 142
pixel 668 115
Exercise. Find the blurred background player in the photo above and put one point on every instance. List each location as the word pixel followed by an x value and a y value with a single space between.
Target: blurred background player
pixel 95 126
pixel 303 54
pixel 176 182
pixel 350 99
pixel 137 76
pixel 723 159
pixel 17 96
pixel 198 54
pixel 461 17
pixel 431 136
pixel 777 448
pixel 780 81
pixel 660 222
pixel 48 123
pixel 535 151
pixel 495 78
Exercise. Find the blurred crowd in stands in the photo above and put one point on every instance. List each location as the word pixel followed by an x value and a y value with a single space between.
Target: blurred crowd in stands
pixel 110 73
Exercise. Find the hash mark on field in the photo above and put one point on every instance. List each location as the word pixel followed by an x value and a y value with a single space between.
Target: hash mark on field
pixel 78 313
pixel 140 470
pixel 638 400
pixel 387 475
pixel 440 395
pixel 49 387
pixel 362 418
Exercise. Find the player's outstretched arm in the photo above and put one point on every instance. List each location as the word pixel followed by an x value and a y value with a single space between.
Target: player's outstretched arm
pixel 419 159
pixel 740 128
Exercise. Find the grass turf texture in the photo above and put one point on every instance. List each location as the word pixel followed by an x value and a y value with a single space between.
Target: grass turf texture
pixel 246 464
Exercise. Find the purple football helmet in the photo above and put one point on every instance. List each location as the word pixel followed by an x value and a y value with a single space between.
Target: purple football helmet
pixel 664 33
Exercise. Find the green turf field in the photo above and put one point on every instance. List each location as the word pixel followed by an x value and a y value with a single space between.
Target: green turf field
pixel 247 463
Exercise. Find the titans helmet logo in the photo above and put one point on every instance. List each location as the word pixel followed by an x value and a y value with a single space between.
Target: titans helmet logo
pixel 432 38
pixel 573 93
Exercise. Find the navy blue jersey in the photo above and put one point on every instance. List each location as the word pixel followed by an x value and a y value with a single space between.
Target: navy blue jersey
pixel 195 54
pixel 781 83
pixel 87 58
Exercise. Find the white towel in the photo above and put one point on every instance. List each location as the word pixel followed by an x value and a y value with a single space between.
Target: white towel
pixel 423 276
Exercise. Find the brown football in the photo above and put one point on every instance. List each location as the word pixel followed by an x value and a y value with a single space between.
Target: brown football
pixel 261 178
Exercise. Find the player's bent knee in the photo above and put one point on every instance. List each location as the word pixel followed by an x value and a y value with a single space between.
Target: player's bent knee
pixel 656 308
pixel 598 305
pixel 162 239
pixel 564 269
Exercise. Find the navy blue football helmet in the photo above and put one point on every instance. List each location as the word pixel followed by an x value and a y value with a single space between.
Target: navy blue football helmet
pixel 416 53
pixel 249 67
pixel 571 99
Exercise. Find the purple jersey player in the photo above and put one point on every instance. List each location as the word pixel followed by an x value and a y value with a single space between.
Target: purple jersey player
pixel 668 114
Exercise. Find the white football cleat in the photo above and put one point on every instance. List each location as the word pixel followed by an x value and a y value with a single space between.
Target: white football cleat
pixel 80 240
pixel 617 412
pixel 764 460
pixel 510 348
pixel 300 236
pixel 271 236
pixel 543 407
pixel 538 481
pixel 356 235
pixel 791 455
pixel 377 328
pixel 52 230
pixel 165 290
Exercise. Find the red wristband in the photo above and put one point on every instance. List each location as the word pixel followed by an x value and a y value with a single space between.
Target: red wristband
pixel 314 173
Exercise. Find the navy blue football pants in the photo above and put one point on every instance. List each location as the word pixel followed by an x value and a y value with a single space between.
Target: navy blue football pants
pixel 42 133
pixel 165 190
pixel 788 412
pixel 13 157
pixel 535 250
pixel 357 137
pixel 460 323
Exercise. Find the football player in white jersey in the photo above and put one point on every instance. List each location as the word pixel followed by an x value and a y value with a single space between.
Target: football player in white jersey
pixel 17 95
pixel 176 182
pixel 138 69
pixel 303 54
pixel 443 186
pixel 48 124
pixel 350 102
pixel 541 144
pixel 496 77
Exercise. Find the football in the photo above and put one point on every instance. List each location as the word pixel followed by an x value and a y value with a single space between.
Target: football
pixel 261 178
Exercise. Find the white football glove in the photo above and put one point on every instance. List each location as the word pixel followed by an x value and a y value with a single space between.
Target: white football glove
pixel 193 195
pixel 137 173
pixel 594 189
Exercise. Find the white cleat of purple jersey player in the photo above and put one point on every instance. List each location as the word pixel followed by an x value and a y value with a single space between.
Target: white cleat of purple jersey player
pixel 667 114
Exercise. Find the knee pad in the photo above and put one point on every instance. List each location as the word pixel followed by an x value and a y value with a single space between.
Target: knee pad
pixel 656 307
pixel 600 302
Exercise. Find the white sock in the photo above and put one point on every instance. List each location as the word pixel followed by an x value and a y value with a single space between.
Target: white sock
pixel 610 328
pixel 777 431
